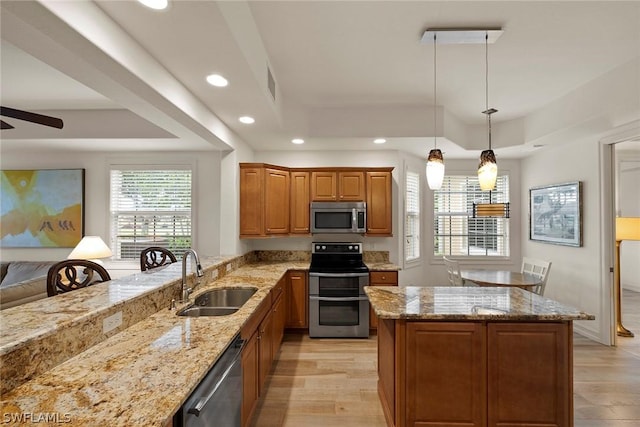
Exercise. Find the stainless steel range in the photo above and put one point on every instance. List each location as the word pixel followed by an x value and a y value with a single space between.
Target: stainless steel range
pixel 338 306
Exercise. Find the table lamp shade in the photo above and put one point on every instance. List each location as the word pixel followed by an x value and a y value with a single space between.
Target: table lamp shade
pixel 627 228
pixel 90 247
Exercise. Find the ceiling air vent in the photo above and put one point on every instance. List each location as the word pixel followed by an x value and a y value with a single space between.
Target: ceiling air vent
pixel 271 84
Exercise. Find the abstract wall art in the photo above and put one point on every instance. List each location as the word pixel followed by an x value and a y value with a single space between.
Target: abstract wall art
pixel 42 208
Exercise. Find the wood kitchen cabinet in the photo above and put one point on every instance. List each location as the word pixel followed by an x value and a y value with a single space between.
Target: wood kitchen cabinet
pixel 475 373
pixel 250 386
pixel 298 299
pixel 275 200
pixel 265 349
pixel 379 203
pixel 264 200
pixel 380 278
pixel 340 186
pixel 263 333
pixel 300 198
pixel 279 297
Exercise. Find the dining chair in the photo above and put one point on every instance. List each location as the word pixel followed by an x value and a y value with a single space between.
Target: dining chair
pixel 72 274
pixel 453 272
pixel 154 257
pixel 538 268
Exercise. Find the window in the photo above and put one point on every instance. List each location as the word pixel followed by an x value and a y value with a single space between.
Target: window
pixel 455 232
pixel 412 217
pixel 150 207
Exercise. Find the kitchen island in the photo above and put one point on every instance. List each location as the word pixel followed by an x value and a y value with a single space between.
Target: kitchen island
pixel 473 356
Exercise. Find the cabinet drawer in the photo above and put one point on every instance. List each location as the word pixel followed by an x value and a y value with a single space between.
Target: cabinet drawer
pixel 383 278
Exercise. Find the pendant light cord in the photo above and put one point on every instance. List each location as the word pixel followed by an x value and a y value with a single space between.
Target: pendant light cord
pixel 486 74
pixel 435 95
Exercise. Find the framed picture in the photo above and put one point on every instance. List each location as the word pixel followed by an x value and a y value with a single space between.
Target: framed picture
pixel 42 208
pixel 555 214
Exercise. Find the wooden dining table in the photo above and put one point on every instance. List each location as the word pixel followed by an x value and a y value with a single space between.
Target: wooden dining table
pixel 501 278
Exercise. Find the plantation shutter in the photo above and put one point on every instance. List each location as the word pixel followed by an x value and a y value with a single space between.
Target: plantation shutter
pixel 412 217
pixel 455 232
pixel 150 207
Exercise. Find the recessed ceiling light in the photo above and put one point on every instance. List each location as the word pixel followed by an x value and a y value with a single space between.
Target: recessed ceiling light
pixel 247 120
pixel 155 4
pixel 379 141
pixel 297 141
pixel 217 80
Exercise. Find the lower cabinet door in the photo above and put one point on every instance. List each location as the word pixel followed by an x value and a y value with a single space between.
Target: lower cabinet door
pixel 445 381
pixel 265 349
pixel 249 378
pixel 530 360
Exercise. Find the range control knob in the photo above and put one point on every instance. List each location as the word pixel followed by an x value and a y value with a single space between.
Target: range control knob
pixel 324 247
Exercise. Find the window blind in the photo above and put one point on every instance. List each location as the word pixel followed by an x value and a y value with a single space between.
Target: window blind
pixel 456 233
pixel 150 207
pixel 412 217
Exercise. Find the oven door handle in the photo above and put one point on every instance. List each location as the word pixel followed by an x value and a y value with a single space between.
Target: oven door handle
pixel 317 298
pixel 338 274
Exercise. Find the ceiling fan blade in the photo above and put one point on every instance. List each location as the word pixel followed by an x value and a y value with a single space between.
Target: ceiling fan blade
pixel 40 119
pixel 5 125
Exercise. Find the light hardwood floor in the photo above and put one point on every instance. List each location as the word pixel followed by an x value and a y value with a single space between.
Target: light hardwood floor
pixel 333 382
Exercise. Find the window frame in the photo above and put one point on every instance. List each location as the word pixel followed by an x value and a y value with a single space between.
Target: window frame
pixel 187 165
pixel 506 237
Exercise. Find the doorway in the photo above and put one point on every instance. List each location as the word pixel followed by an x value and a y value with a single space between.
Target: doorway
pixel 626 163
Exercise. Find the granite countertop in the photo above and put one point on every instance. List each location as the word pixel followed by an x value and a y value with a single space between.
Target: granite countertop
pixel 382 266
pixel 467 303
pixel 142 375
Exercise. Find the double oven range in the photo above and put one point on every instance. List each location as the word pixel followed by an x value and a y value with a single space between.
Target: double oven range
pixel 338 306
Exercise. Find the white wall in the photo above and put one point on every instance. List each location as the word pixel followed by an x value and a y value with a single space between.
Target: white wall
pixel 206 194
pixel 576 273
pixel 628 205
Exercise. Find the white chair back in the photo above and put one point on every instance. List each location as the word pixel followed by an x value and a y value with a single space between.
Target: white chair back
pixel 453 272
pixel 538 268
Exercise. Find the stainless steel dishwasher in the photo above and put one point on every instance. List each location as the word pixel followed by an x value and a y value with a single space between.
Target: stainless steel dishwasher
pixel 217 400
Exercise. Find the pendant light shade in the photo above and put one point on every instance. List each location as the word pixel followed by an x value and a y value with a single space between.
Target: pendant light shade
pixel 435 169
pixel 488 168
pixel 435 161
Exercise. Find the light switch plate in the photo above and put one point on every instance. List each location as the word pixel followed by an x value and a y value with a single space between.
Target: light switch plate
pixel 111 322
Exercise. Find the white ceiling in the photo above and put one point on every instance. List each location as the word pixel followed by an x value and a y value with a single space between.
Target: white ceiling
pixel 346 72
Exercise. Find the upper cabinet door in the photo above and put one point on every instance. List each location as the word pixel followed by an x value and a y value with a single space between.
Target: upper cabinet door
pixel 379 204
pixel 277 201
pixel 351 187
pixel 300 189
pixel 323 186
pixel 251 201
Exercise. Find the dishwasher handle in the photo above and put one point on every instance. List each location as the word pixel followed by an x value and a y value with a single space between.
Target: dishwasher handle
pixel 202 402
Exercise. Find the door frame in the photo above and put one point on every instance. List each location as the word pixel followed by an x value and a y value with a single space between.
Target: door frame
pixel 607 207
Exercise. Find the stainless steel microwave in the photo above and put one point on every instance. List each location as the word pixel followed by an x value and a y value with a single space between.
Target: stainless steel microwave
pixel 338 217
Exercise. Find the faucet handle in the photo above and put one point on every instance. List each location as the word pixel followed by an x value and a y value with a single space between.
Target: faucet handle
pixel 185 294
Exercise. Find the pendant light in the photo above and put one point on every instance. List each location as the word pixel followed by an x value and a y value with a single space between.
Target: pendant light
pixel 435 161
pixel 488 168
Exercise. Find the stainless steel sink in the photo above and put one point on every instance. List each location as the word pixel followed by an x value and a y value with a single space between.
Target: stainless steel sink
pixel 218 302
pixel 193 311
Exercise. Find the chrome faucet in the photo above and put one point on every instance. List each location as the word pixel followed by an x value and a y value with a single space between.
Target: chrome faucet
pixel 185 290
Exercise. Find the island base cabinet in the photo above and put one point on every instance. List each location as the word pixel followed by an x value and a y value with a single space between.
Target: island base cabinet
pixel 506 374
pixel 445 375
pixel 532 360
